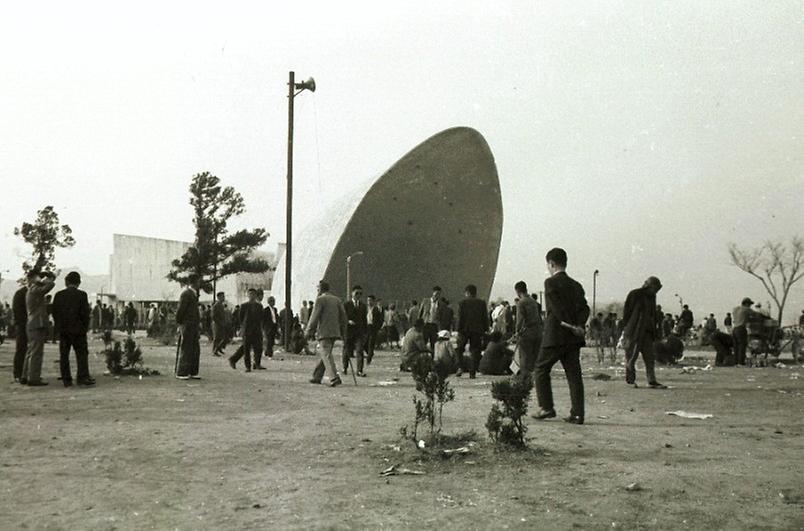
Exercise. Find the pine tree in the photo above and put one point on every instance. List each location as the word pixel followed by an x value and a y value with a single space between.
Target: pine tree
pixel 216 253
pixel 44 235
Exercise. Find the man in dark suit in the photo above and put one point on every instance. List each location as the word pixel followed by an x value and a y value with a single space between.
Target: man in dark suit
pixel 639 332
pixel 20 325
pixel 374 321
pixel 356 330
pixel 473 323
pixel 271 324
pixel 251 316
pixel 71 315
pixel 431 311
pixel 189 320
pixel 567 313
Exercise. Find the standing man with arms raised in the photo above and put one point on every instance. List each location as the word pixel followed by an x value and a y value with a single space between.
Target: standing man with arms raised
pixel 20 326
pixel 37 327
pixel 639 332
pixel 189 320
pixel 328 324
pixel 71 314
pixel 567 312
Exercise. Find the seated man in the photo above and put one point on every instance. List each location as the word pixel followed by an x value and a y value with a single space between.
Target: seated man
pixel 497 357
pixel 413 345
pixel 445 358
pixel 723 344
pixel 298 343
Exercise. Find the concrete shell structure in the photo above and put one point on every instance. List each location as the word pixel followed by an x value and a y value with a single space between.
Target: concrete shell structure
pixel 434 218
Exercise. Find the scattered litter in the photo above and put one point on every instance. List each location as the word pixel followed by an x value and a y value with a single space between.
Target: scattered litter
pixel 633 487
pixel 462 450
pixel 601 376
pixel 179 400
pixel 385 383
pixel 394 471
pixel 780 365
pixel 602 416
pixel 421 444
pixel 692 368
pixel 794 376
pixel 687 415
pixel 668 445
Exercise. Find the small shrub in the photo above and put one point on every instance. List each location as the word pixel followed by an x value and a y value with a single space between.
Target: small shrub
pixel 431 382
pixel 114 358
pixel 132 355
pixel 107 339
pixel 504 422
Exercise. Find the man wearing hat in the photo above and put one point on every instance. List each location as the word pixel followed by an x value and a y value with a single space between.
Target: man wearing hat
pixel 71 315
pixel 639 333
pixel 741 315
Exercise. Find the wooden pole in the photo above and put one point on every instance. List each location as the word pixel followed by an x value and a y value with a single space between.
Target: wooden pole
pixel 289 213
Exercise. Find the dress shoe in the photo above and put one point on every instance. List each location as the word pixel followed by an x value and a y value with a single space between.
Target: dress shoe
pixel 314 381
pixel 335 382
pixel 632 384
pixel 195 377
pixel 259 368
pixel 23 381
pixel 86 383
pixel 67 383
pixel 657 385
pixel 182 377
pixel 232 363
pixel 361 374
pixel 248 369
pixel 572 419
pixel 544 414
pixel 40 383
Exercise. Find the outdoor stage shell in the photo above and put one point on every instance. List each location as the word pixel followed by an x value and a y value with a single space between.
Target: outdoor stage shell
pixel 434 218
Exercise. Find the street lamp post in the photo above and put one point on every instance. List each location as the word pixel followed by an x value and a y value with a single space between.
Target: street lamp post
pixel 294 89
pixel 349 273
pixel 594 292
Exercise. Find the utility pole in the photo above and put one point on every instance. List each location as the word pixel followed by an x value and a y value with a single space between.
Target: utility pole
pixel 594 292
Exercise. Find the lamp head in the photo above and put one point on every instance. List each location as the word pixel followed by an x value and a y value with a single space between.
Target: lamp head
pixel 307 85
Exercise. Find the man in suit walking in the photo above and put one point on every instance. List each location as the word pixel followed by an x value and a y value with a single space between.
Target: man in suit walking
pixel 37 327
pixel 71 314
pixel 251 317
pixel 639 333
pixel 20 326
pixel 473 323
pixel 328 324
pixel 189 320
pixel 356 331
pixel 375 318
pixel 567 313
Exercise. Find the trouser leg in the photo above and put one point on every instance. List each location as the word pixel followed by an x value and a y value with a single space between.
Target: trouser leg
pixel 32 370
pixel 325 351
pixel 528 350
pixel 571 361
pixel 237 354
pixel 20 350
pixel 431 334
pixel 460 350
pixel 544 389
pixel 256 344
pixel 649 359
pixel 631 355
pixel 347 352
pixel 360 350
pixel 81 357
pixel 476 351
pixel 65 342
pixel 740 335
pixel 318 372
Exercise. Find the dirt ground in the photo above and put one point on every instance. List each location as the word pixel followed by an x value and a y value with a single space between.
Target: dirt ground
pixel 269 450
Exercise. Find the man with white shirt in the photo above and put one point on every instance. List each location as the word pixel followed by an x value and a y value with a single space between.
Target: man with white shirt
pixel 271 326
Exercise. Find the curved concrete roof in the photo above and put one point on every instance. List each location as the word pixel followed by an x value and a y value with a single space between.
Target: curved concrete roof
pixel 435 217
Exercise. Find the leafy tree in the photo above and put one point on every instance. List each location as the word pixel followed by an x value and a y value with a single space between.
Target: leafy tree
pixel 775 265
pixel 44 235
pixel 216 253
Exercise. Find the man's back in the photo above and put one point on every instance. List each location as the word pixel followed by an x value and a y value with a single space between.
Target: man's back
pixel 328 318
pixel 565 302
pixel 71 311
pixel 528 315
pixel 251 317
pixel 18 306
pixel 36 305
pixel 472 316
pixel 187 313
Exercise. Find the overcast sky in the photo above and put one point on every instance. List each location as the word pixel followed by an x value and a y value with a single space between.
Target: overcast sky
pixel 643 137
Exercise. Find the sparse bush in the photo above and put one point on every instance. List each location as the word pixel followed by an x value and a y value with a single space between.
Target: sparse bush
pixel 114 358
pixel 132 355
pixel 431 382
pixel 504 422
pixel 126 359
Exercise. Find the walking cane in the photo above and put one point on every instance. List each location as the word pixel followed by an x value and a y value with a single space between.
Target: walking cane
pixel 178 349
pixel 351 367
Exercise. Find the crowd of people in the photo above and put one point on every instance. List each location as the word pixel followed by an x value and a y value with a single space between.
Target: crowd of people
pixel 483 334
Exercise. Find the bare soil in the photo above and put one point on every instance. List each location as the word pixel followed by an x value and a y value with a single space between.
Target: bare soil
pixel 268 449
